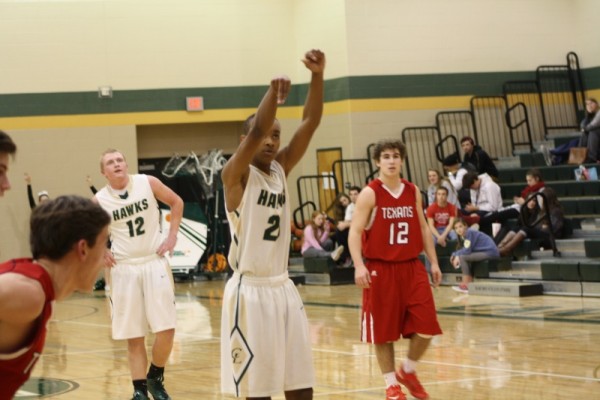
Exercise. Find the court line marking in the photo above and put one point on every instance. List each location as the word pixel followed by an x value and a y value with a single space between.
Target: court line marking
pixel 476 367
pixel 217 340
pixel 378 389
pixel 108 326
pixel 348 353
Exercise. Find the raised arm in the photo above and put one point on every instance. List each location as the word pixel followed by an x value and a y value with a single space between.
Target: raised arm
pixel 235 171
pixel 29 191
pixel 170 198
pixel 291 154
pixel 88 179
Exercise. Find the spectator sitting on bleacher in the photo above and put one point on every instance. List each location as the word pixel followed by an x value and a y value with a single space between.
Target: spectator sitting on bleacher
pixel 343 227
pixel 475 155
pixel 440 217
pixel 316 239
pixel 472 246
pixel 590 131
pixel 590 138
pixel 535 183
pixel 485 198
pixel 339 206
pixel 436 180
pixel 532 213
pixel 456 171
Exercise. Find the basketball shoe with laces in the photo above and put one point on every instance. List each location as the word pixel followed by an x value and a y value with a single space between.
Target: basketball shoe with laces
pixel 157 389
pixel 394 392
pixel 412 384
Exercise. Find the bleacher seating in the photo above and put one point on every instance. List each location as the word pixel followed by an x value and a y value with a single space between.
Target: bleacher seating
pixel 580 199
pixel 526 115
pixel 576 268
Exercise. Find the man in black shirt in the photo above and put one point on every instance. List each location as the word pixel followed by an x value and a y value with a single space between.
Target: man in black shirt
pixel 476 156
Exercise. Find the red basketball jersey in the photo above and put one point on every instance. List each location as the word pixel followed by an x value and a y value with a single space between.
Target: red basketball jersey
pixel 16 367
pixel 395 232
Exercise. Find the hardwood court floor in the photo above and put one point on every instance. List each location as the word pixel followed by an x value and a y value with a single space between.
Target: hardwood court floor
pixel 543 347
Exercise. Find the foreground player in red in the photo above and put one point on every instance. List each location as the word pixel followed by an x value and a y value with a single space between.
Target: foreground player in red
pixel 8 148
pixel 68 240
pixel 390 231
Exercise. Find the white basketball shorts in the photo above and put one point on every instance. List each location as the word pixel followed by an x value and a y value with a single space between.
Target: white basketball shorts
pixel 265 343
pixel 142 296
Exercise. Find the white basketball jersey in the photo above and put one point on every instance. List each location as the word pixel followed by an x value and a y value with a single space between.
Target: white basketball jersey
pixel 260 226
pixel 135 219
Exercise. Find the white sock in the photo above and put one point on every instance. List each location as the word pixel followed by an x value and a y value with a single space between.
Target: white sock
pixel 390 379
pixel 409 366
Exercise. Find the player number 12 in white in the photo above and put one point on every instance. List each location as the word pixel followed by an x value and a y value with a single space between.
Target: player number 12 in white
pixel 399 233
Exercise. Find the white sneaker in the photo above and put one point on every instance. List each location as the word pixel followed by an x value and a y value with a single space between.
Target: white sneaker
pixel 337 253
pixel 547 158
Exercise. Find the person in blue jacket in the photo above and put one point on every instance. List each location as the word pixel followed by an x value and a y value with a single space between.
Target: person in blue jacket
pixel 472 246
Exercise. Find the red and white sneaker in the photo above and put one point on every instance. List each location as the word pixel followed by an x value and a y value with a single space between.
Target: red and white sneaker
pixel 394 392
pixel 462 288
pixel 412 384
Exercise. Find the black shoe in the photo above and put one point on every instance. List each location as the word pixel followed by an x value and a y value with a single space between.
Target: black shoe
pixel 139 395
pixel 99 285
pixel 157 389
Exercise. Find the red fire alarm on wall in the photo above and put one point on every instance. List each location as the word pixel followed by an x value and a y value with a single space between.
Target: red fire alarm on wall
pixel 194 103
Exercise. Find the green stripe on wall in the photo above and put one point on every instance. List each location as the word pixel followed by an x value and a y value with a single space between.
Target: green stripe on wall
pixel 340 89
pixel 591 78
pixel 432 85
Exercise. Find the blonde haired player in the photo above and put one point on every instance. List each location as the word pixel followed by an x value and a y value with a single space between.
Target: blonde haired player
pixel 265 346
pixel 141 290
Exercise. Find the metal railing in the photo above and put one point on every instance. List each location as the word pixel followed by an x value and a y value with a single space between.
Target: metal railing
pixel 444 149
pixel 456 123
pixel 420 153
pixel 352 172
pixel 322 190
pixel 559 102
pixel 491 131
pixel 577 84
pixel 300 214
pixel 527 93
pixel 517 121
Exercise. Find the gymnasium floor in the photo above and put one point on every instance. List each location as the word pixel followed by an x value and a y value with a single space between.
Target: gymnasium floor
pixel 543 347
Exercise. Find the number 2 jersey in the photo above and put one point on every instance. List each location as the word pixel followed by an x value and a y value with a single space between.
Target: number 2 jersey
pixel 260 238
pixel 135 218
pixel 394 233
pixel 16 367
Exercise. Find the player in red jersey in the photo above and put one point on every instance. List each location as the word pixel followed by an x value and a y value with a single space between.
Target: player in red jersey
pixel 68 241
pixel 390 231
